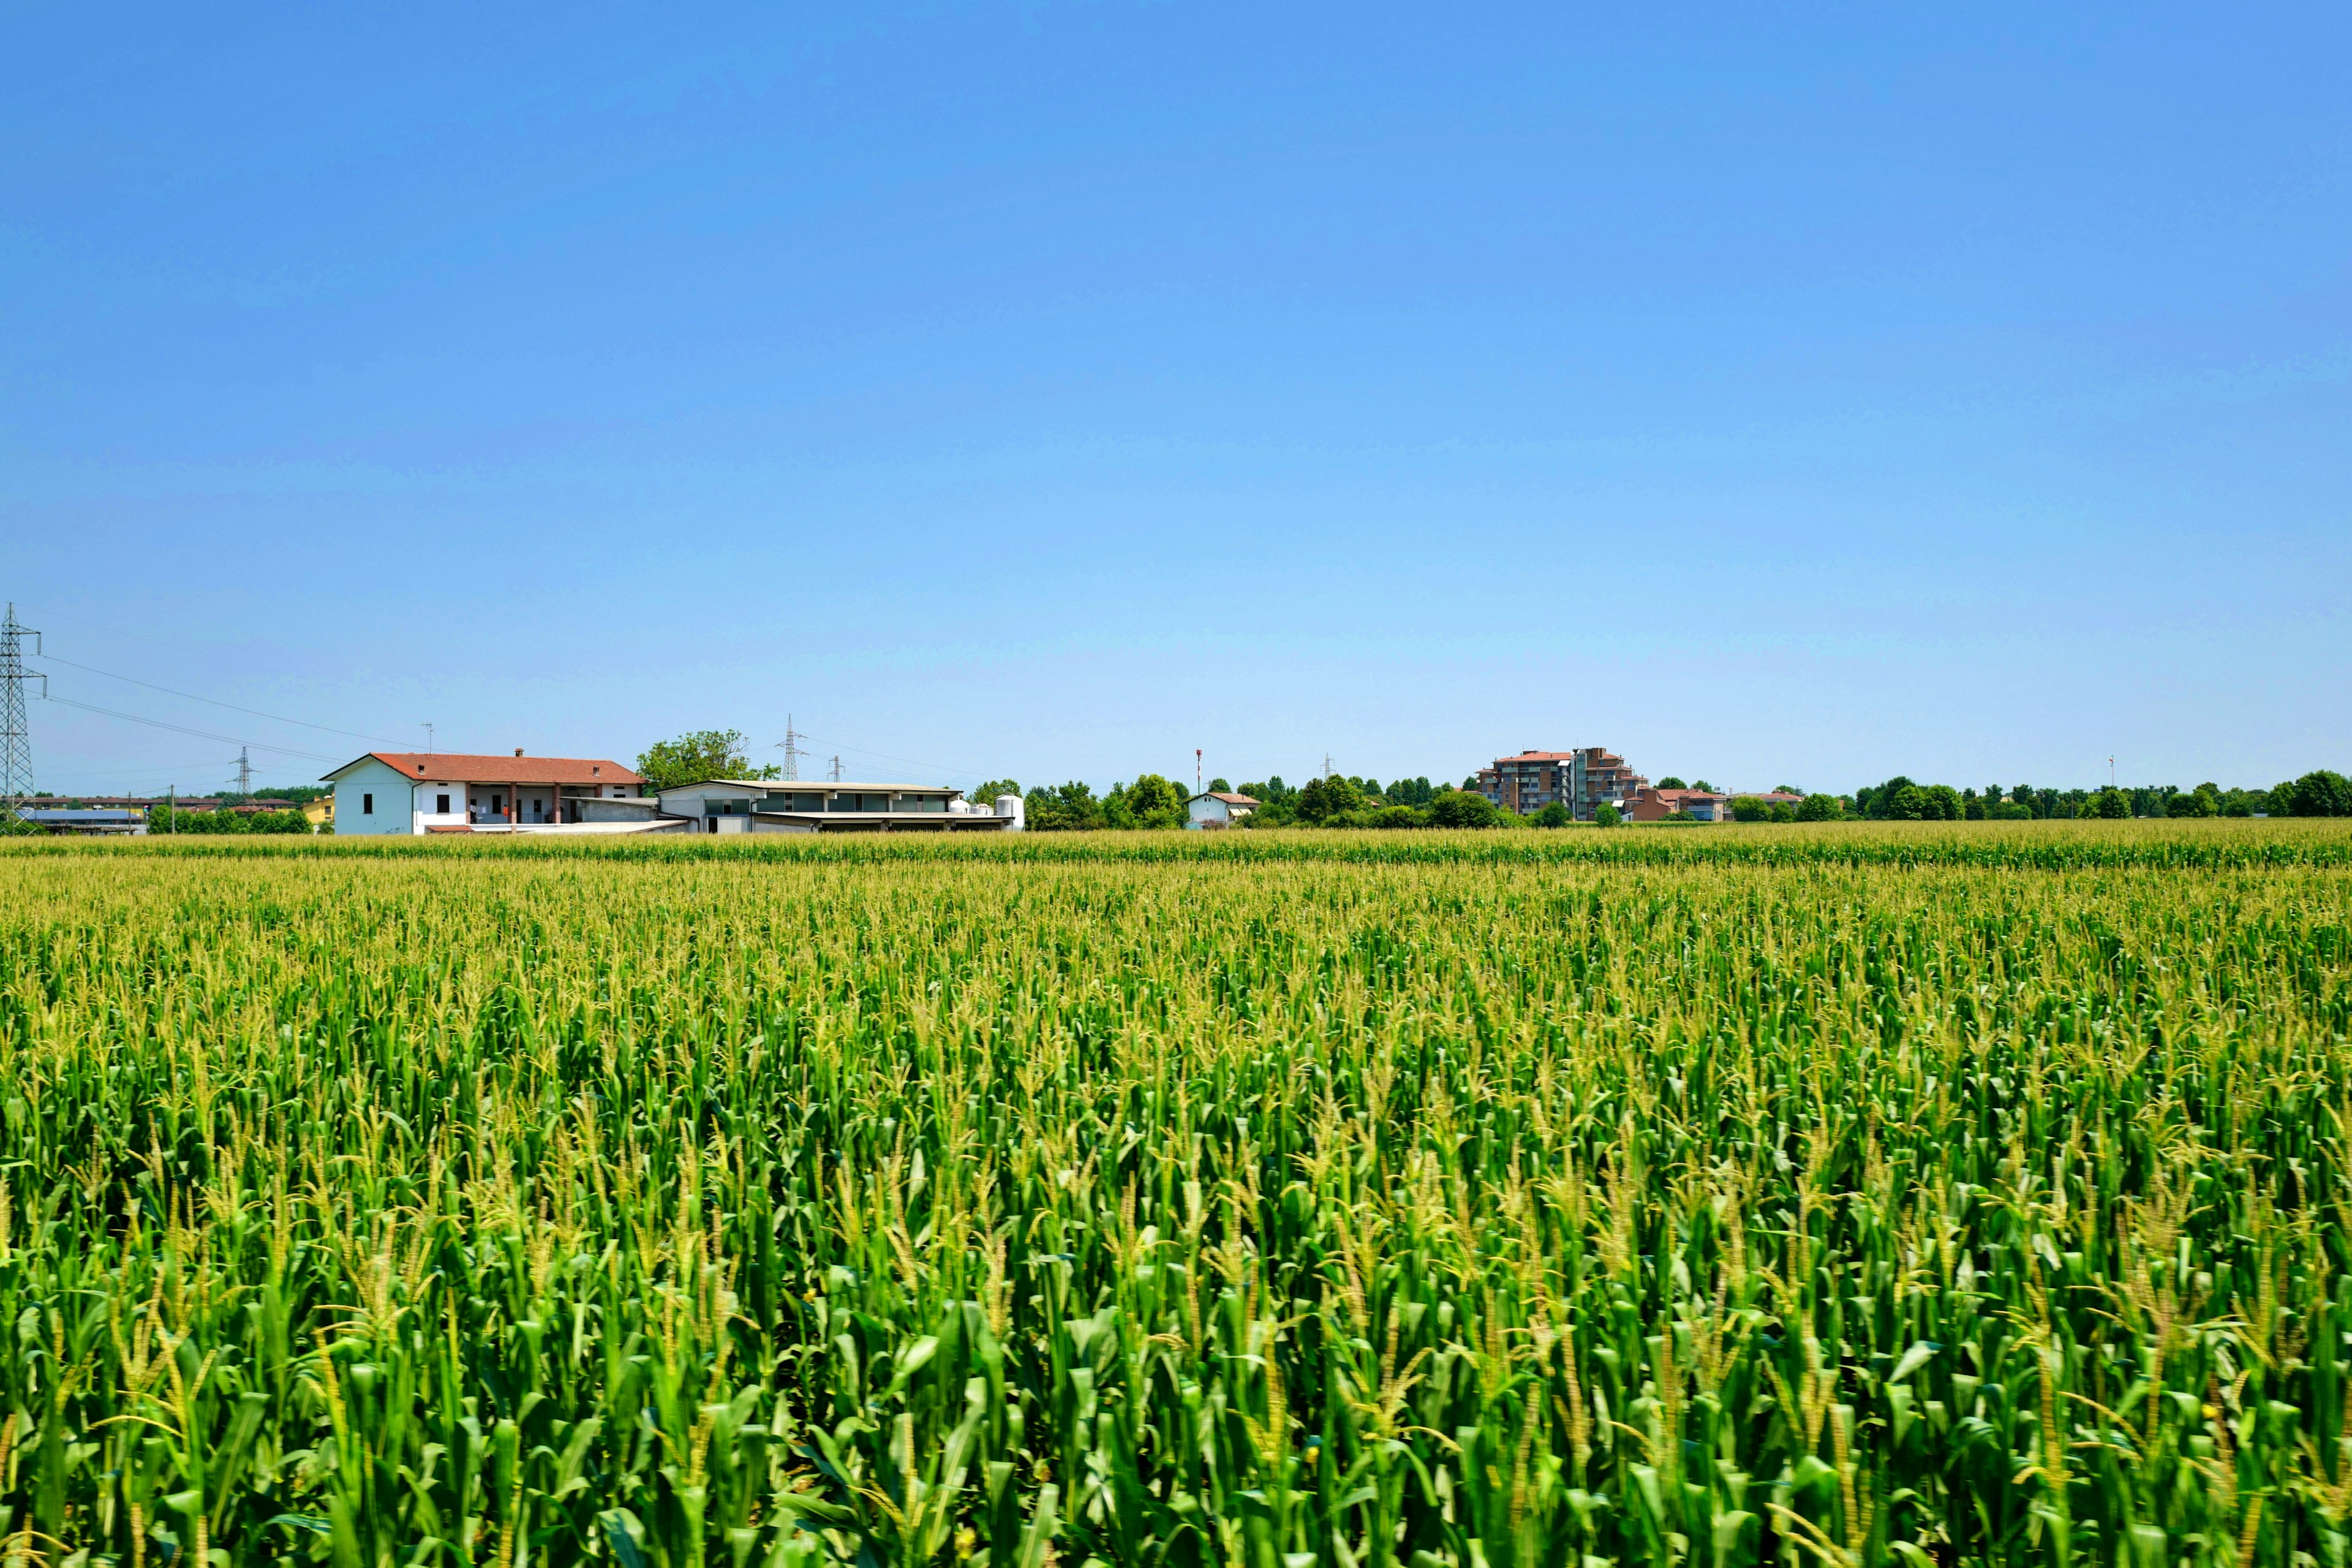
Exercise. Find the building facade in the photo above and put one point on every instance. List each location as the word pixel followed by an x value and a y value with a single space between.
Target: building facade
pixel 424 792
pixel 832 805
pixel 1217 808
pixel 1581 780
pixel 1657 805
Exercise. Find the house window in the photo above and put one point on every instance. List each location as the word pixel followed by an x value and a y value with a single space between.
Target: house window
pixel 367 806
pixel 441 804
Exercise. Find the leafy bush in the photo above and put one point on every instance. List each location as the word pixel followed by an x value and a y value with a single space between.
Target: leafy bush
pixel 1463 808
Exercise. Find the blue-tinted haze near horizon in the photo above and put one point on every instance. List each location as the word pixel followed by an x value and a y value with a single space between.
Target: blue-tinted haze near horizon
pixel 1773 395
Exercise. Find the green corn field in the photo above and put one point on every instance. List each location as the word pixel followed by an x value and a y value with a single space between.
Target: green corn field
pixel 1847 1196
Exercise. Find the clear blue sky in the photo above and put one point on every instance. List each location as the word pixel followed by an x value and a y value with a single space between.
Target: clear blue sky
pixel 1776 394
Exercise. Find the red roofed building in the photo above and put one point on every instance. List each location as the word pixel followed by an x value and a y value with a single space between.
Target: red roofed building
pixel 426 792
pixel 1657 805
pixel 1580 780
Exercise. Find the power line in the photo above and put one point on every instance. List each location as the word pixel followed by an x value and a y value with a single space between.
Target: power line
pixel 910 762
pixel 184 729
pixel 256 713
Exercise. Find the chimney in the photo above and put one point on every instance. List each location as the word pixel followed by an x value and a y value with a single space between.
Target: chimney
pixel 517 751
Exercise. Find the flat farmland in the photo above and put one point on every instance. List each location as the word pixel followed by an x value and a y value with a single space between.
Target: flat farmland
pixel 1851 1195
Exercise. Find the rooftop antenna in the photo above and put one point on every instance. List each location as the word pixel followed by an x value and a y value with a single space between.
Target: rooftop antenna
pixel 1196 770
pixel 16 737
pixel 791 743
pixel 428 735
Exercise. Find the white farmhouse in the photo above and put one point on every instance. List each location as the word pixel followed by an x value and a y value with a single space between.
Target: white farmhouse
pixel 428 792
pixel 1217 808
pixel 832 805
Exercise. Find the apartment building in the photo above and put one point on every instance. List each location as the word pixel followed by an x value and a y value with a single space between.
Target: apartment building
pixel 1580 780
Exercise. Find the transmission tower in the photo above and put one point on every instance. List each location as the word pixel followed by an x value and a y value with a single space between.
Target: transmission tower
pixel 16 737
pixel 791 743
pixel 837 769
pixel 244 772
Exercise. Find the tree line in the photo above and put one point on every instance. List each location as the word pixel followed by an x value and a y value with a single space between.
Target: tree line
pixel 164 819
pixel 1153 800
pixel 2322 793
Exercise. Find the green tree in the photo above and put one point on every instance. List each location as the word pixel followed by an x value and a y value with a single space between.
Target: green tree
pixel 1071 808
pixel 1606 816
pixel 703 754
pixel 2110 804
pixel 1747 809
pixel 1412 792
pixel 1464 808
pixel 1819 808
pixel 1942 804
pixel 1552 814
pixel 1907 804
pixel 2321 794
pixel 985 795
pixel 1671 781
pixel 1323 799
pixel 1152 801
pixel 1219 787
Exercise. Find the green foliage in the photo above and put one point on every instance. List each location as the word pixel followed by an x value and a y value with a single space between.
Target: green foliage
pixel 703 754
pixel 1463 808
pixel 1219 787
pixel 1412 792
pixel 2110 805
pixel 1606 816
pixel 1671 781
pixel 1150 801
pixel 1552 814
pixel 2321 794
pixel 1820 808
pixel 1747 809
pixel 2204 801
pixel 1070 809
pixel 223 820
pixel 1323 798
pixel 985 795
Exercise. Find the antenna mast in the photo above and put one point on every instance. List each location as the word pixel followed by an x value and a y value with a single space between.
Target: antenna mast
pixel 15 736
pixel 837 769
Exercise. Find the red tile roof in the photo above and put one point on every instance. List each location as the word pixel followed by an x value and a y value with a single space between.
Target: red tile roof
pixel 462 768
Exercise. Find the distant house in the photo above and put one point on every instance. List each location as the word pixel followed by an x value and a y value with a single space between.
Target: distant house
pixel 1657 805
pixel 320 813
pixel 834 805
pixel 1217 808
pixel 83 821
pixel 428 792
